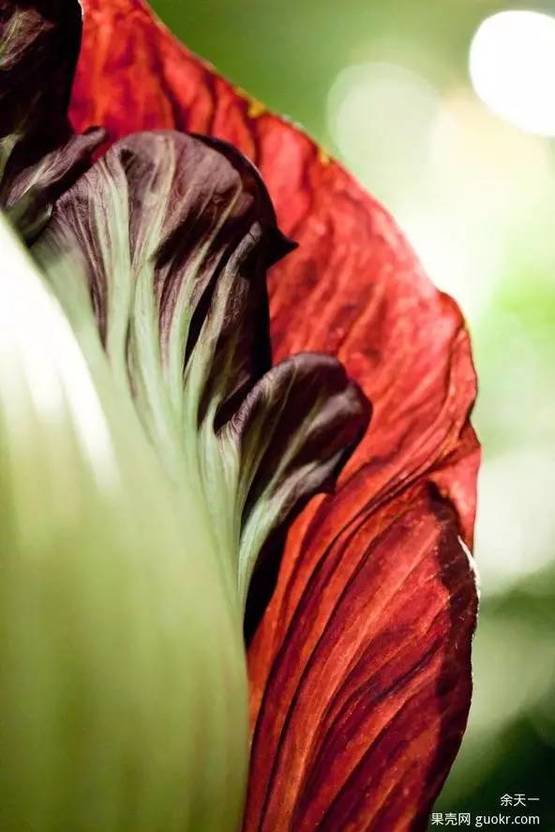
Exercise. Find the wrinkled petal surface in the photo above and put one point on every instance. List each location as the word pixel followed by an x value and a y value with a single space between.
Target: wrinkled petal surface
pixel 360 669
pixel 365 704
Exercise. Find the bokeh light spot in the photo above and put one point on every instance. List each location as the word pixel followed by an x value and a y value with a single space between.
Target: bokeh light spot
pixel 512 66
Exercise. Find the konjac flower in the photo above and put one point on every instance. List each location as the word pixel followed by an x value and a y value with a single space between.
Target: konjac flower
pixel 359 614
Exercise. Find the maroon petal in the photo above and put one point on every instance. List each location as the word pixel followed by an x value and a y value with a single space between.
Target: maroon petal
pixel 40 46
pixel 39 156
pixel 170 235
pixel 295 431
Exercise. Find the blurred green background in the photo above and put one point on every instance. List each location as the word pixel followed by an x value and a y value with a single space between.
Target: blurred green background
pixel 389 88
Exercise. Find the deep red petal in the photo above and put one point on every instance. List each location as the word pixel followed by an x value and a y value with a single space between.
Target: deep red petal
pixel 353 288
pixel 366 702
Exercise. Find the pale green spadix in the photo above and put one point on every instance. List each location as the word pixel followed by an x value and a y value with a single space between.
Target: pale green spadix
pixel 123 694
